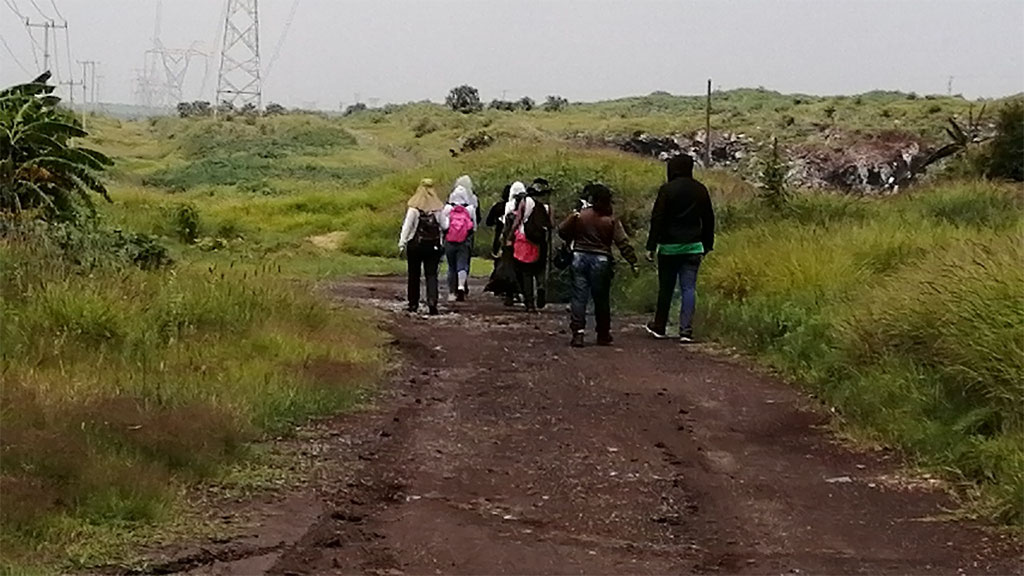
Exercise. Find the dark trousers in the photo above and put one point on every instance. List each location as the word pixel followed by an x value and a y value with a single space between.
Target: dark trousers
pixel 591 278
pixel 681 269
pixel 526 275
pixel 423 258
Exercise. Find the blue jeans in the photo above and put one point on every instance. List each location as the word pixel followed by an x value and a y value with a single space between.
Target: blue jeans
pixel 457 254
pixel 591 278
pixel 680 268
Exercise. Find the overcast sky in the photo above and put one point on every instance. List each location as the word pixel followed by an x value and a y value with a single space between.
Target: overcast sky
pixel 401 50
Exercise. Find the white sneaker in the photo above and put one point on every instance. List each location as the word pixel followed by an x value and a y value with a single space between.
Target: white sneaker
pixel 451 297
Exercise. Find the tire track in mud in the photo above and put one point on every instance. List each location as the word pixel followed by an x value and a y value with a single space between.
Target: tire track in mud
pixel 497 449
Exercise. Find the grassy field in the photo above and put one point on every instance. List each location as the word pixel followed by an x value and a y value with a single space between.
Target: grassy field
pixel 905 313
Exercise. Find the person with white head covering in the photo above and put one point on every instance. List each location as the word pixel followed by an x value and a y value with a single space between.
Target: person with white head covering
pixel 527 254
pixel 420 242
pixel 458 218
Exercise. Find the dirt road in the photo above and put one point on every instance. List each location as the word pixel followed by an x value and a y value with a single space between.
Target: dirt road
pixel 497 449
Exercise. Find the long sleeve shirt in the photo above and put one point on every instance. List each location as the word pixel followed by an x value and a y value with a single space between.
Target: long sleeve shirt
pixel 412 220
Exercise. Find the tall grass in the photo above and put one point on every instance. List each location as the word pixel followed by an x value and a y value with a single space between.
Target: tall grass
pixel 904 314
pixel 119 385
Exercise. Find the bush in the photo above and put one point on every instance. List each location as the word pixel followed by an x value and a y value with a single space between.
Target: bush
pixel 1004 156
pixel 186 222
pixel 424 126
pixel 555 104
pixel 465 99
pixel 773 179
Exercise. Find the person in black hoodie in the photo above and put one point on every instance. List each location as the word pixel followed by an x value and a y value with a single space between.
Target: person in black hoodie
pixel 682 232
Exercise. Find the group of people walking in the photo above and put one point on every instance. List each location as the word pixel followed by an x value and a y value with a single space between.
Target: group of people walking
pixel 682 232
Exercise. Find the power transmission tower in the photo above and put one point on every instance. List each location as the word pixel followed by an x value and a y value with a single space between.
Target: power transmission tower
pixel 162 79
pixel 238 81
pixel 46 26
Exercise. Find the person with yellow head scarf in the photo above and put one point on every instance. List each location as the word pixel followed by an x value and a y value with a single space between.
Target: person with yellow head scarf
pixel 420 242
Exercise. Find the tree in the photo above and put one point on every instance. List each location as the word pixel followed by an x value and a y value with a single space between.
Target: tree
pixel 1004 157
pixel 465 99
pixel 773 179
pixel 503 105
pixel 40 168
pixel 355 109
pixel 526 104
pixel 274 109
pixel 555 104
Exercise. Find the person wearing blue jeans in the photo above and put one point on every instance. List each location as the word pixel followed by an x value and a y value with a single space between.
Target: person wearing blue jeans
pixel 681 268
pixel 682 233
pixel 591 278
pixel 592 232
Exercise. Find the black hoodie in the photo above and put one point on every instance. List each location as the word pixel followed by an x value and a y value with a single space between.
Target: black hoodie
pixel 682 213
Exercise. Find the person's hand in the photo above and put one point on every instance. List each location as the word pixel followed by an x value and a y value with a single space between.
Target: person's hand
pixel 650 256
pixel 401 252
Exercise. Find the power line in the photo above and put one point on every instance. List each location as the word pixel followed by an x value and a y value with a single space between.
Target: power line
pixel 16 61
pixel 14 7
pixel 280 41
pixel 40 10
pixel 57 10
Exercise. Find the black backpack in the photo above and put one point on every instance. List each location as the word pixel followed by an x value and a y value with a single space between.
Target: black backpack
pixel 428 231
pixel 536 227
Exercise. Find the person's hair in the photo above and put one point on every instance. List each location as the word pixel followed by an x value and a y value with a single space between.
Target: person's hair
pixel 600 198
pixel 506 191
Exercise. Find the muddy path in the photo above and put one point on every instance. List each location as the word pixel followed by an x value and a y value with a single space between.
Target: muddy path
pixel 497 449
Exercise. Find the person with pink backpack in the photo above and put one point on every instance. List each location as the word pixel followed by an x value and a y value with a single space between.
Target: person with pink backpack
pixel 458 219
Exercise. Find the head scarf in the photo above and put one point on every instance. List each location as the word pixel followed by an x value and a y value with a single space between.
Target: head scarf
pixel 425 199
pixel 467 184
pixel 460 196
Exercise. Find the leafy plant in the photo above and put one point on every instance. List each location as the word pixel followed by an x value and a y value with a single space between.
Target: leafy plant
pixel 40 168
pixel 555 104
pixel 186 222
pixel 1005 155
pixel 773 179
pixel 465 99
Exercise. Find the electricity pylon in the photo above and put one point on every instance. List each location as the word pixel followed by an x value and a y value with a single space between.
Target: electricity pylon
pixel 238 81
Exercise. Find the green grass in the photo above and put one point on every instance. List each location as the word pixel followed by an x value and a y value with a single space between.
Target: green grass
pixel 121 385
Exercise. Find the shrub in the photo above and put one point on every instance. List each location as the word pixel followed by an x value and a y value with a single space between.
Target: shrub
pixel 773 179
pixel 186 222
pixel 465 99
pixel 502 105
pixel 1004 156
pixel 525 104
pixel 555 104
pixel 423 126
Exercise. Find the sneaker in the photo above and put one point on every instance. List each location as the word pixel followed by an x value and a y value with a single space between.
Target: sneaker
pixel 657 333
pixel 605 340
pixel 451 297
pixel 577 340
pixel 433 311
pixel 460 295
pixel 412 308
pixel 686 340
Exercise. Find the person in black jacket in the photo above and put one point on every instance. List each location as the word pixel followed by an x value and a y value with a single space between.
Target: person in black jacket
pixel 682 232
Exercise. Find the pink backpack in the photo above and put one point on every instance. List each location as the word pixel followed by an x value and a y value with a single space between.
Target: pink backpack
pixel 460 224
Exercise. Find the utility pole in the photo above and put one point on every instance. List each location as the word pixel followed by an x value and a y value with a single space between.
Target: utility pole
pixel 949 86
pixel 238 80
pixel 46 26
pixel 88 80
pixel 707 130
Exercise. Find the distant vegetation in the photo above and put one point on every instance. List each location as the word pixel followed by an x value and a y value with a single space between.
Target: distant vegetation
pixel 905 313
